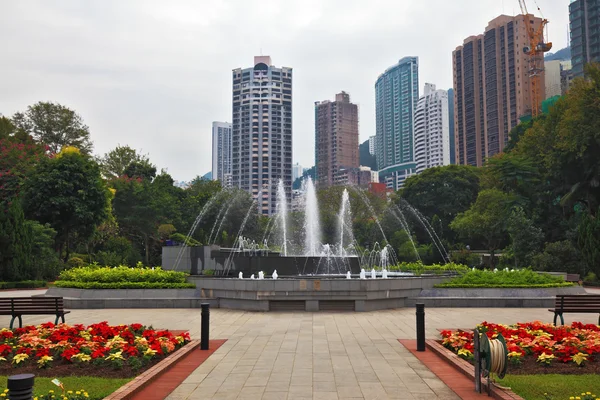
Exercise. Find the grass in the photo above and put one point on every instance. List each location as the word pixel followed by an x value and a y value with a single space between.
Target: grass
pixel 558 387
pixel 97 388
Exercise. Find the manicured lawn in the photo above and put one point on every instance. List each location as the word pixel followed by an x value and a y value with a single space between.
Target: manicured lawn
pixel 558 387
pixel 97 388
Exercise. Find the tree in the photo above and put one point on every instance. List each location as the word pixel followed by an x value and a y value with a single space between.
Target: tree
pixel 140 169
pixel 441 193
pixel 15 245
pixel 68 193
pixel 589 242
pixel 7 128
pixel 567 143
pixel 54 125
pixel 486 219
pixel 526 238
pixel 114 163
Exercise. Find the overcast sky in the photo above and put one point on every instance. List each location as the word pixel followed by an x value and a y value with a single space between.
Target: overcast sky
pixel 155 74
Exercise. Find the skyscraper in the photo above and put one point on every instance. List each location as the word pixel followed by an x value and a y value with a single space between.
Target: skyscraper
pixel 262 131
pixel 372 145
pixel 584 17
pixel 221 152
pixel 396 95
pixel 297 171
pixel 451 125
pixel 552 70
pixel 432 133
pixel 336 139
pixel 492 87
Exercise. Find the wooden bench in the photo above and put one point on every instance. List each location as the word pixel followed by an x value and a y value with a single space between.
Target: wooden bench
pixel 19 306
pixel 575 303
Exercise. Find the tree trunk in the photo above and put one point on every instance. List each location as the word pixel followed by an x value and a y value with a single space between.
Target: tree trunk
pixel 147 247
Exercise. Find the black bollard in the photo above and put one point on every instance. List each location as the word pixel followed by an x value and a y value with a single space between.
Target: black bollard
pixel 420 327
pixel 204 326
pixel 20 387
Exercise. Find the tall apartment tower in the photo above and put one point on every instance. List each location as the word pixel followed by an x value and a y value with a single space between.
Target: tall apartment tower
pixel 336 139
pixel 552 70
pixel 262 131
pixel 451 125
pixel 491 87
pixel 584 17
pixel 432 131
pixel 221 152
pixel 396 96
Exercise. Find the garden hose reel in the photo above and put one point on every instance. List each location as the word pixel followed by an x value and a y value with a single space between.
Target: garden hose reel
pixel 491 357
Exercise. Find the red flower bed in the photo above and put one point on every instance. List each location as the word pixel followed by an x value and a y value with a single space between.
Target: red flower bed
pixel 534 346
pixel 97 350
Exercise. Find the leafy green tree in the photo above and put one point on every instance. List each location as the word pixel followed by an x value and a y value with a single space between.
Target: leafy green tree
pixel 54 125
pixel 589 242
pixel 7 128
pixel 560 256
pixel 526 238
pixel 68 193
pixel 45 260
pixel 114 163
pixel 16 245
pixel 567 143
pixel 441 193
pixel 486 219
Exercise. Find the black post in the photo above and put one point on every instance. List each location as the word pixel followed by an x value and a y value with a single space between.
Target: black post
pixel 420 327
pixel 20 387
pixel 204 326
pixel 477 356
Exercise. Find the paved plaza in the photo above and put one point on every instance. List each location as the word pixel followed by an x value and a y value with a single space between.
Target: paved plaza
pixel 300 355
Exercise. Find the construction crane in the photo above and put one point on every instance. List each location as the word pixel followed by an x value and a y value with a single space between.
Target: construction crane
pixel 536 49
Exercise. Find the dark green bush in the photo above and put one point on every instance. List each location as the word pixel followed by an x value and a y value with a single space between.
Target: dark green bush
pixel 124 285
pixel 560 256
pixel 504 279
pixel 23 285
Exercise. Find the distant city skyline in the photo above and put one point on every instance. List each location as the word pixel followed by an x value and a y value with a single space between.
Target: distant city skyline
pixel 160 89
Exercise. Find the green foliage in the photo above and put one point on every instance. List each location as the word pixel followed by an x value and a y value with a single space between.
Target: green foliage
pixel 442 193
pixel 121 275
pixel 75 262
pixel 419 268
pixel 180 238
pixel 465 257
pixel 524 278
pixel 559 256
pixel 114 163
pixel 365 158
pixel 16 245
pixel 208 272
pixel 486 219
pixel 54 125
pixel 526 238
pixel 589 242
pixel 68 193
pixel 123 285
pixel 23 285
pixel 591 278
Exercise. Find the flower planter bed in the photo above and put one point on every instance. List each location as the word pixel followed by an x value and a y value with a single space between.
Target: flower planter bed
pixel 99 350
pixel 538 348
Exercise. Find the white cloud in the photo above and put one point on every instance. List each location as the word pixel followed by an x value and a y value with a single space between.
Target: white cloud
pixel 155 74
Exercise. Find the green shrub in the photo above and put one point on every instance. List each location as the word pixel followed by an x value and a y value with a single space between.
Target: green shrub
pixel 23 285
pixel 559 256
pixel 465 257
pixel 121 274
pixel 208 272
pixel 75 262
pixel 180 238
pixel 124 285
pixel 419 268
pixel 591 278
pixel 505 279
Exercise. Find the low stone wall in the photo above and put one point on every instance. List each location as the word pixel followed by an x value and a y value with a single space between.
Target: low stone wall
pixel 493 297
pixel 314 293
pixel 128 298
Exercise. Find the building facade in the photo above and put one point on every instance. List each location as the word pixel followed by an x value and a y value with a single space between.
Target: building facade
pixel 491 87
pixel 552 70
pixel 372 145
pixel 396 96
pixel 297 171
pixel 432 131
pixel 262 131
pixel 221 152
pixel 336 138
pixel 451 125
pixel 584 18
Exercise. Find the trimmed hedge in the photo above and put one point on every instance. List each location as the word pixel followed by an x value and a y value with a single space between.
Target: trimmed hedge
pixel 23 285
pixel 419 268
pixel 504 279
pixel 94 274
pixel 123 285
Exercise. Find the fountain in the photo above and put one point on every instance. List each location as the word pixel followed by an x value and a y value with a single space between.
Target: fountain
pixel 312 227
